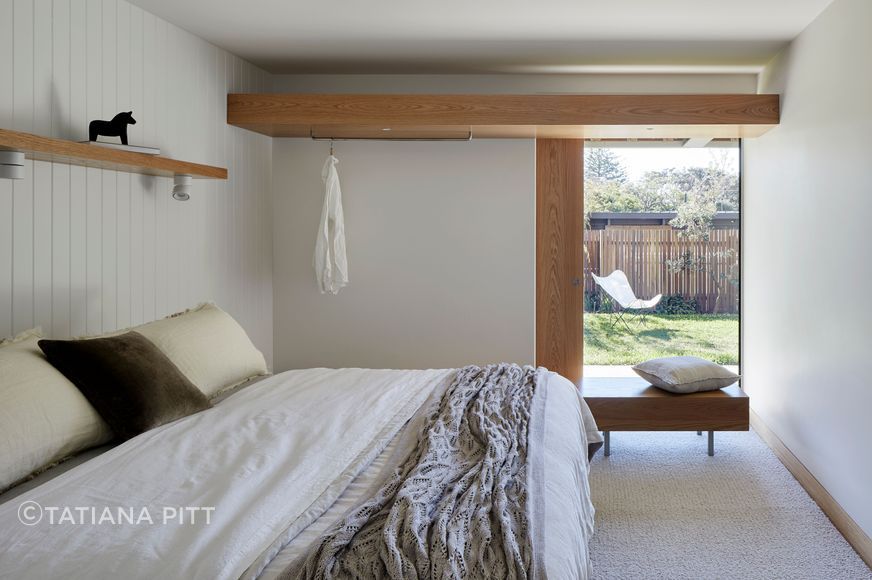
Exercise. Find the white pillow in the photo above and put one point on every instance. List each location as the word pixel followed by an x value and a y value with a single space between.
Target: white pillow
pixel 208 346
pixel 43 416
pixel 685 374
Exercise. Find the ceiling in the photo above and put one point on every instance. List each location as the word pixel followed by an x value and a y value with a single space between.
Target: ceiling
pixel 481 36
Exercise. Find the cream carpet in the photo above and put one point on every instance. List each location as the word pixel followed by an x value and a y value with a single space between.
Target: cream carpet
pixel 666 510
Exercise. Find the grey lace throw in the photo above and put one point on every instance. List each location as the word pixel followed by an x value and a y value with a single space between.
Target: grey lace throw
pixel 457 506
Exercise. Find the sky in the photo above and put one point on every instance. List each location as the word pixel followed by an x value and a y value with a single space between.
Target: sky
pixel 638 160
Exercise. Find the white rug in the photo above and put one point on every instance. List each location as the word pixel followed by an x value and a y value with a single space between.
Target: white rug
pixel 667 510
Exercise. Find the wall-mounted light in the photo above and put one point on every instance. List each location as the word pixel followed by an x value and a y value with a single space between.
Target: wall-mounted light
pixel 182 187
pixel 11 164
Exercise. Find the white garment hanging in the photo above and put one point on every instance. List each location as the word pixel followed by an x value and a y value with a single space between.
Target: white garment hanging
pixel 331 266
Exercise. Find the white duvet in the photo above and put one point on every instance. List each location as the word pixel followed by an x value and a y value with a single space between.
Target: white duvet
pixel 262 465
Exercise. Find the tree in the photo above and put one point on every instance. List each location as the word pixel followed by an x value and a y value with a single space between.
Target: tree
pixel 600 196
pixel 658 191
pixel 602 164
pixel 695 216
pixel 705 190
pixel 722 267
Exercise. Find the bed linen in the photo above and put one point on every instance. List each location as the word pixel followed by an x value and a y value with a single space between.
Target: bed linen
pixel 85 456
pixel 569 513
pixel 236 457
pixel 458 506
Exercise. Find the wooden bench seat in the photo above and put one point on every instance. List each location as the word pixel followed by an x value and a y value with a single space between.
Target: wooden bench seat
pixel 632 404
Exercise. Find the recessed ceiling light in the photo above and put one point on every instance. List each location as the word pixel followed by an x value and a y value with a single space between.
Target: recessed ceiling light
pixel 386 128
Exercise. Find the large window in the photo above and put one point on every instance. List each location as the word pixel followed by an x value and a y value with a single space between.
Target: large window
pixel 666 215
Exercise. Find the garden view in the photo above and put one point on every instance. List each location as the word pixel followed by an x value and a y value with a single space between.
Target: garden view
pixel 668 218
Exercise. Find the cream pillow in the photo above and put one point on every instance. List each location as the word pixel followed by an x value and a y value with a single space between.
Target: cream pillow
pixel 685 374
pixel 208 346
pixel 43 416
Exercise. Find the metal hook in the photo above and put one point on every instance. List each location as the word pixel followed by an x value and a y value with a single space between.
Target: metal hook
pixel 331 146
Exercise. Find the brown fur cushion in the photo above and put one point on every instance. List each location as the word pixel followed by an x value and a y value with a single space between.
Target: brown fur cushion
pixel 131 383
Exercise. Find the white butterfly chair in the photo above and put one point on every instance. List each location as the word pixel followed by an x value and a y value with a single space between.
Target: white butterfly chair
pixel 618 287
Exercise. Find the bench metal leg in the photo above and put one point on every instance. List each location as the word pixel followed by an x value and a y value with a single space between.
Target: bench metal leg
pixel 607 443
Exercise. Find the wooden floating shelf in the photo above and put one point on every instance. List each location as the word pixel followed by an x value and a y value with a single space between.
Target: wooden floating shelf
pixel 83 154
pixel 396 116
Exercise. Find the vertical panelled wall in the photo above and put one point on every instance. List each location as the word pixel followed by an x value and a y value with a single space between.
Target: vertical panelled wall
pixel 84 251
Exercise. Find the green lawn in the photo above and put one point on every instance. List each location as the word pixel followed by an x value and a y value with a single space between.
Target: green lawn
pixel 713 336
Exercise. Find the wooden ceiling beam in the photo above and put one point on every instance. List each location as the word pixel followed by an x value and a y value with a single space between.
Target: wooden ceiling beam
pixel 520 116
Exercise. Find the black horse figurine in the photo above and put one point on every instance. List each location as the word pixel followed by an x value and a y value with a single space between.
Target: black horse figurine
pixel 117 127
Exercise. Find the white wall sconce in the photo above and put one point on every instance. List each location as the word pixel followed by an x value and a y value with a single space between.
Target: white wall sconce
pixel 11 165
pixel 182 187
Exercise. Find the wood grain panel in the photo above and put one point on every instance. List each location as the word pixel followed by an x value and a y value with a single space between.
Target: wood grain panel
pixel 631 404
pixel 524 116
pixel 73 153
pixel 352 132
pixel 619 132
pixel 559 265
pixel 411 110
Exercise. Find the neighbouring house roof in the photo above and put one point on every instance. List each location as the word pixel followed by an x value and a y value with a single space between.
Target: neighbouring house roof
pixel 599 220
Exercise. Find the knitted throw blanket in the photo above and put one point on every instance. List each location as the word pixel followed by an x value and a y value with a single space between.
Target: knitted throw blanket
pixel 457 506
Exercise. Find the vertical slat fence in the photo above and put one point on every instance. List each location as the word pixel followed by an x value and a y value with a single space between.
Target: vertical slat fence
pixel 642 253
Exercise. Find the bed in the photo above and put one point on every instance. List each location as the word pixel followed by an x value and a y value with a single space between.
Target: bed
pixel 246 488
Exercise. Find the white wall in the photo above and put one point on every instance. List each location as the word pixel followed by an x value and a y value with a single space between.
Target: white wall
pixel 519 83
pixel 430 287
pixel 440 251
pixel 83 250
pixel 807 202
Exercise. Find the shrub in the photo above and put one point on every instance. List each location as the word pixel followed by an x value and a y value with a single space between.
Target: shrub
pixel 597 301
pixel 592 302
pixel 677 304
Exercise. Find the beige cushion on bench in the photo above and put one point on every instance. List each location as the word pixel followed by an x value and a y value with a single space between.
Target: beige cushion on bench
pixel 685 374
